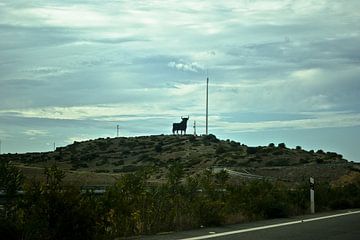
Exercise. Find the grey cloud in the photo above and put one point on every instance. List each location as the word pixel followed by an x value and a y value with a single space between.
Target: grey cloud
pixel 18 37
pixel 117 40
pixel 183 66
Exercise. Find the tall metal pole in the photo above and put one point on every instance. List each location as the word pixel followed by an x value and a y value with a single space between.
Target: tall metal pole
pixel 117 130
pixel 207 103
pixel 0 146
pixel 312 193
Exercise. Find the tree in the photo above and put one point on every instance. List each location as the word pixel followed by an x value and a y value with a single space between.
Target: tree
pixel 176 172
pixel 11 178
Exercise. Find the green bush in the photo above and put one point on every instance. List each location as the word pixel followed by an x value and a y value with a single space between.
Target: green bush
pixel 127 168
pixel 102 171
pixel 80 165
pixel 281 145
pixel 251 150
pixel 118 163
pixel 320 151
pixel 211 138
pixel 320 160
pixel 158 147
pixel 102 162
pixel 304 161
pixel 220 149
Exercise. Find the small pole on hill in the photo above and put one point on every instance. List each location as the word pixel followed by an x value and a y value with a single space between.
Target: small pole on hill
pixel 117 130
pixel 54 146
pixel 194 128
pixel 207 101
pixel 0 146
pixel 312 194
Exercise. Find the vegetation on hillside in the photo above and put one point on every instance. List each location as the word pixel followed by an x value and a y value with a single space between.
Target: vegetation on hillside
pixel 196 153
pixel 133 206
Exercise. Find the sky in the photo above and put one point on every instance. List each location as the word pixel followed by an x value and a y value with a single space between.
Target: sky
pixel 280 71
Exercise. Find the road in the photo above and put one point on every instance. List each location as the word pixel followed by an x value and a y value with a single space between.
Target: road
pixel 344 225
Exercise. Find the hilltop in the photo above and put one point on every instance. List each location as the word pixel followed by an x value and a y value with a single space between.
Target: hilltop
pixel 102 160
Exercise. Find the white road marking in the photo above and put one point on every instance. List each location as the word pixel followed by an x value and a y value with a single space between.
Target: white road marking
pixel 269 226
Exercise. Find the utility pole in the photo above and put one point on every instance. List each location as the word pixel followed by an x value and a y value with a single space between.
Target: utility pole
pixel 312 194
pixel 117 130
pixel 0 146
pixel 207 103
pixel 54 146
pixel 194 128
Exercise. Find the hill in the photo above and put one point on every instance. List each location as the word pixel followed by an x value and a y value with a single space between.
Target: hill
pixel 101 161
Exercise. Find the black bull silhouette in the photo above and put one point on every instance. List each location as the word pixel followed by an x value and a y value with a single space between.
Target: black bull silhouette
pixel 180 126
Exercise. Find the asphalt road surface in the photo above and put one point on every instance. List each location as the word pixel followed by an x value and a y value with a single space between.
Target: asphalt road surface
pixel 344 225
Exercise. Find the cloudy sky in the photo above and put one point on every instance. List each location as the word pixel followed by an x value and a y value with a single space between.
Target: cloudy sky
pixel 280 71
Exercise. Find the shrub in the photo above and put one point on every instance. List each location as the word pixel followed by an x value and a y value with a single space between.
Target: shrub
pixel 118 163
pixel 80 165
pixel 220 149
pixel 102 162
pixel 271 145
pixel 332 154
pixel 281 145
pixel 103 145
pixel 210 138
pixel 251 150
pixel 339 204
pixel 320 160
pixel 304 161
pixel 298 148
pixel 279 162
pixel 277 152
pixel 126 152
pixel 133 207
pixel 320 151
pixel 158 147
pixel 102 171
pixel 127 168
pixel 193 162
pixel 192 138
pixel 283 162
